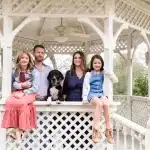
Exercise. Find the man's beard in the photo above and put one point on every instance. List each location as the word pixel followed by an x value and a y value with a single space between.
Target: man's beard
pixel 39 59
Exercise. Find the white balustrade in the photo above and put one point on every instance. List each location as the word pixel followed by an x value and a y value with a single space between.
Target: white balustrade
pixel 129 135
pixel 67 126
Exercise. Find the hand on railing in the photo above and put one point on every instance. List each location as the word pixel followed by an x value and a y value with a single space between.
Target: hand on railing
pixel 85 101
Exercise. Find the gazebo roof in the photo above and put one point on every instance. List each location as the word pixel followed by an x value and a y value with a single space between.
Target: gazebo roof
pixel 60 18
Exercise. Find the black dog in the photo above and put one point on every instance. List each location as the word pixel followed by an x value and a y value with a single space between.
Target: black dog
pixel 55 91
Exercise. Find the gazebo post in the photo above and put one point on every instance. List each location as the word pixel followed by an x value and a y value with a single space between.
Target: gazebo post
pixel 108 55
pixel 149 72
pixel 7 56
pixel 129 66
pixel 148 45
pixel 6 43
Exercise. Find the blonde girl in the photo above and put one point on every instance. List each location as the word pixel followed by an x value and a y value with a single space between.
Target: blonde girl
pixel 20 114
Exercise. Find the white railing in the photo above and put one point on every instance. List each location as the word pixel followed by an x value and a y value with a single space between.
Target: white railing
pixel 129 135
pixel 139 108
pixel 60 127
pixel 122 109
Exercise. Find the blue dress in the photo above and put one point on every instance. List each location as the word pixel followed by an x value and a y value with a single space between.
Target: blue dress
pixel 72 87
pixel 96 85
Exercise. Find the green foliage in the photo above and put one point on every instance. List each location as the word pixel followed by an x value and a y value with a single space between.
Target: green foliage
pixel 140 79
pixel 141 85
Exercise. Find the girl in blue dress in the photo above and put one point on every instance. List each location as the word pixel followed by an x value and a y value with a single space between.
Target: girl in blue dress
pixel 94 93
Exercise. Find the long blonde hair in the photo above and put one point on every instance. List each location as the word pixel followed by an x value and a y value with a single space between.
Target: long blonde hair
pixel 17 64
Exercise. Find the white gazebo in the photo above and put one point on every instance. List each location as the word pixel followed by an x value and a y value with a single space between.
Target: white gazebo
pixel 64 26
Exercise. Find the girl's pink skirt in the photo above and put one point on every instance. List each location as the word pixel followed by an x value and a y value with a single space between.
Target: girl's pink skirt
pixel 20 113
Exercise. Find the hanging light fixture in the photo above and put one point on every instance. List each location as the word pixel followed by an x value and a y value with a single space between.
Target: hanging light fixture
pixel 61 38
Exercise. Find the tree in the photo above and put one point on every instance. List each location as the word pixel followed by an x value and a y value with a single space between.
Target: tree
pixel 140 79
pixel 141 85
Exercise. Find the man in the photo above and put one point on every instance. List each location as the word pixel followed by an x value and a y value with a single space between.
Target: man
pixel 42 72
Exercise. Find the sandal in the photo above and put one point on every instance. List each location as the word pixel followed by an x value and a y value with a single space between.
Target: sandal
pixel 96 136
pixel 109 136
pixel 12 134
pixel 23 134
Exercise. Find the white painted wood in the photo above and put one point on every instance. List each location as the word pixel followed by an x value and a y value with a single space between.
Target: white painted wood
pixel 93 25
pixel 125 137
pixel 22 25
pixel 6 45
pixel 118 135
pixel 52 58
pixel 132 134
pixel 120 20
pixel 123 57
pixel 108 55
pixel 48 15
pixel 7 56
pixel 130 82
pixel 149 73
pixel 110 7
pixel 122 27
pixel 55 121
pixel 2 135
pixel 129 124
pixel 147 137
pixel 148 44
pixel 138 133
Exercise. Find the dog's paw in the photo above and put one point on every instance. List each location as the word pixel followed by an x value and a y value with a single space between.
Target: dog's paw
pixel 58 102
pixel 49 100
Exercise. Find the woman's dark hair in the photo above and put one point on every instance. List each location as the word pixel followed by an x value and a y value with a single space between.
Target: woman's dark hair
pixel 97 57
pixel 82 59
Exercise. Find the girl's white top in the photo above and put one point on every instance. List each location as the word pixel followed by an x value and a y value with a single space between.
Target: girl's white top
pixel 86 83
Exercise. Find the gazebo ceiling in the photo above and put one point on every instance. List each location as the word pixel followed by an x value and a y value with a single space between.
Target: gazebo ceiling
pixel 134 12
pixel 58 18
pixel 47 29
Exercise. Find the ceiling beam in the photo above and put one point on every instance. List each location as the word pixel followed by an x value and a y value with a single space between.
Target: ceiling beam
pixel 42 22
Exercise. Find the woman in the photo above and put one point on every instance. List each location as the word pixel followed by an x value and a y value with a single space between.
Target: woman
pixel 72 88
pixel 20 114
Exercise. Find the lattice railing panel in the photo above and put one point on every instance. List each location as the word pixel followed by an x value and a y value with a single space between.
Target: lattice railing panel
pixel 61 131
pixel 123 108
pixel 140 110
pixel 23 44
pixel 68 47
pixel 121 43
pixel 95 46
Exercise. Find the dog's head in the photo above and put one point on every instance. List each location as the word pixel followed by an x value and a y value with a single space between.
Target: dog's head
pixel 55 77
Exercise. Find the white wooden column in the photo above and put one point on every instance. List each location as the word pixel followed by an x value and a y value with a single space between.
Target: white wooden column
pixel 6 44
pixel 129 63
pixel 130 82
pixel 147 136
pixel 108 55
pixel 149 72
pixel 7 56
pixel 148 60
